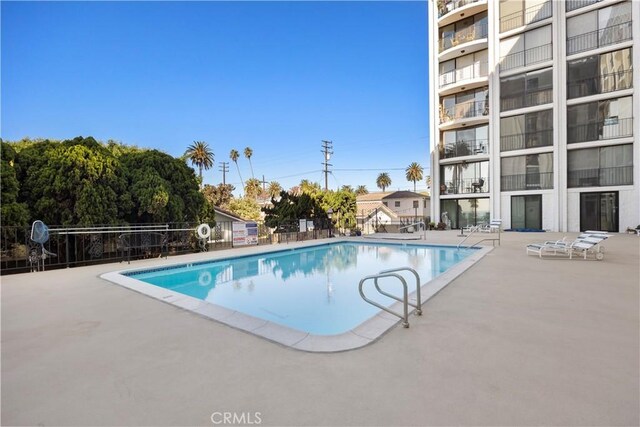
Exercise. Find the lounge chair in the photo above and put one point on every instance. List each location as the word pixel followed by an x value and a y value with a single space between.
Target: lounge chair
pixel 585 244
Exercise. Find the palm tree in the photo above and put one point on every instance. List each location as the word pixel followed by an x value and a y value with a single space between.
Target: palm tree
pixel 347 189
pixel 383 181
pixel 248 152
pixel 233 155
pixel 414 173
pixel 252 188
pixel 274 189
pixel 361 189
pixel 200 155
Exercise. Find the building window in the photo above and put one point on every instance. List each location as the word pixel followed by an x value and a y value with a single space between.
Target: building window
pixel 424 204
pixel 464 68
pixel 530 172
pixel 526 131
pixel 459 213
pixel 465 142
pixel 576 4
pixel 397 204
pixel 602 73
pixel 466 30
pixel 527 48
pixel 472 103
pixel 599 120
pixel 602 27
pixel 599 167
pixel 526 212
pixel 526 90
pixel 516 13
pixel 465 178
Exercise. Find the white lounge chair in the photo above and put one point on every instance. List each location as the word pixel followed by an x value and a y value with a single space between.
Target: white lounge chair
pixel 585 244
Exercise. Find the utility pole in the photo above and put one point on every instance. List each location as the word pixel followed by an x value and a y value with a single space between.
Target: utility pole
pixel 224 168
pixel 264 183
pixel 327 150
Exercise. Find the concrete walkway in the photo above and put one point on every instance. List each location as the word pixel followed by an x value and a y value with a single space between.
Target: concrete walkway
pixel 515 340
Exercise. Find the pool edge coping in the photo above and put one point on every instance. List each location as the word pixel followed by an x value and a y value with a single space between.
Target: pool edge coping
pixel 368 332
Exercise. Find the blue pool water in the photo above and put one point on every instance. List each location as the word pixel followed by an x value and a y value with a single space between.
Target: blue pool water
pixel 313 289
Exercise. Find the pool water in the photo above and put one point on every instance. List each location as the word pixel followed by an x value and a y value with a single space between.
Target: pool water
pixel 312 289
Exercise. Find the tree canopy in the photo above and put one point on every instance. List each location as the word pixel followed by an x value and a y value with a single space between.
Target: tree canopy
pixel 84 182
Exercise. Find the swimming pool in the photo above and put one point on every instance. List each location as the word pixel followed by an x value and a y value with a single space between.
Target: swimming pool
pixel 311 289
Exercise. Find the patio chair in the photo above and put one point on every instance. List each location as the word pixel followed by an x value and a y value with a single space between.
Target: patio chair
pixel 585 244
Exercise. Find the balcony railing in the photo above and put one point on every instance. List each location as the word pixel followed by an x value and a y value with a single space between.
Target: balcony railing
pixel 527 99
pixel 479 30
pixel 465 148
pixel 577 4
pixel 527 181
pixel 470 72
pixel 464 110
pixel 446 6
pixel 541 138
pixel 465 186
pixel 603 83
pixel 527 57
pixel 601 177
pixel 611 128
pixel 522 17
pixel 599 38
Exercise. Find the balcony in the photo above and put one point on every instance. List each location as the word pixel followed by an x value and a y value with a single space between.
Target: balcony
pixel 527 181
pixel 464 148
pixel 464 110
pixel 541 138
pixel 526 99
pixel 471 33
pixel 527 16
pixel 450 11
pixel 611 128
pixel 577 4
pixel 604 83
pixel 601 177
pixel 465 186
pixel 450 80
pixel 599 38
pixel 527 57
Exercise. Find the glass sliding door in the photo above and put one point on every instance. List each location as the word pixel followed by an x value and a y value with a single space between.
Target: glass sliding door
pixel 599 211
pixel 526 212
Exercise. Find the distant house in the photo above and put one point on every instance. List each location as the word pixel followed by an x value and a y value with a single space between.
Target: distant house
pixel 391 210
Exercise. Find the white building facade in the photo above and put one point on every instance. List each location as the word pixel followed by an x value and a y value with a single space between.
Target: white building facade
pixel 535 113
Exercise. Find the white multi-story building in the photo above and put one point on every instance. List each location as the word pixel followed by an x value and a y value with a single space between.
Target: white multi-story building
pixel 535 113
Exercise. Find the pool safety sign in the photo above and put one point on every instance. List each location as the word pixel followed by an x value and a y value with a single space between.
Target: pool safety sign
pixel 245 233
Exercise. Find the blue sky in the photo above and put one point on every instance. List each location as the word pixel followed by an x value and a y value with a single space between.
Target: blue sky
pixel 276 76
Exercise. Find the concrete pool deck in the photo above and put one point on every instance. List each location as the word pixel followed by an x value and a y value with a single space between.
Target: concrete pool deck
pixel 515 340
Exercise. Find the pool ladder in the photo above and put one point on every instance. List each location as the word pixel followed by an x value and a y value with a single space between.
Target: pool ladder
pixel 405 293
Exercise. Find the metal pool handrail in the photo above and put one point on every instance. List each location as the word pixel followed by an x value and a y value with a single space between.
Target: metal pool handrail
pixel 405 294
pixel 405 315
pixel 418 305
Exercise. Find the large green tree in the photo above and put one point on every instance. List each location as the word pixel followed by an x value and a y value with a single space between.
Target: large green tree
pixel 219 195
pixel 13 212
pixel 162 188
pixel 75 182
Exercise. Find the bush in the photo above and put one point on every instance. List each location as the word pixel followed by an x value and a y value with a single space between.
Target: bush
pixel 441 226
pixel 432 226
